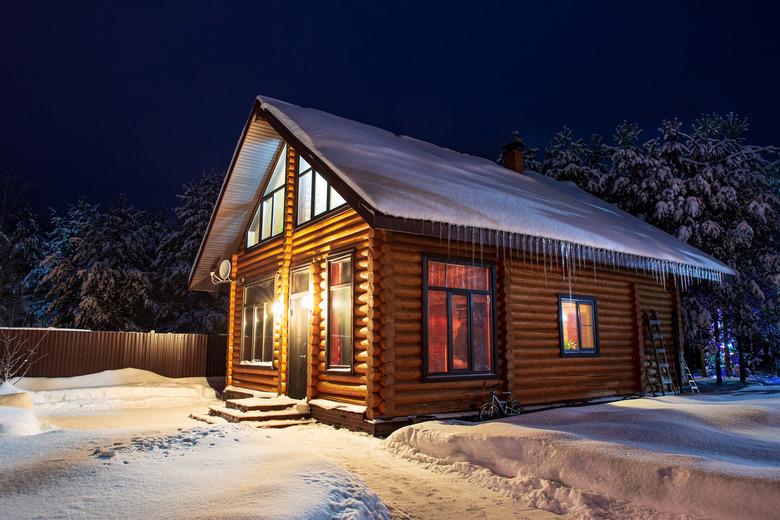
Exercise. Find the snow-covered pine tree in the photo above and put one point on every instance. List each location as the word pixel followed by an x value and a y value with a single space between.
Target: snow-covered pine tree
pixel 708 188
pixel 176 308
pixel 113 258
pixel 55 279
pixel 575 160
pixel 21 247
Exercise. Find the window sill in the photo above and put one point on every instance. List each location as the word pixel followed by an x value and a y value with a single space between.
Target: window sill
pixel 264 242
pixel 264 365
pixel 458 377
pixel 347 371
pixel 322 216
pixel 579 354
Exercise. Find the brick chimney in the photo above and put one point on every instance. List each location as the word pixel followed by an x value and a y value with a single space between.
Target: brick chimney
pixel 512 155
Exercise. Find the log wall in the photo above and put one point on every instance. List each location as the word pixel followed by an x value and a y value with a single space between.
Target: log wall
pixel 529 362
pixel 309 245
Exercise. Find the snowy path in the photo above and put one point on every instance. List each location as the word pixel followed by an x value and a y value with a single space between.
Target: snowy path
pixel 224 471
pixel 408 488
pixel 184 468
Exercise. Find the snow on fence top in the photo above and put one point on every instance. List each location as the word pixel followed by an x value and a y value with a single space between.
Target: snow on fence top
pixel 404 177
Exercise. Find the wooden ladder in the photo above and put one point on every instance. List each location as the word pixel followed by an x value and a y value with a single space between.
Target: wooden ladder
pixel 656 337
pixel 689 378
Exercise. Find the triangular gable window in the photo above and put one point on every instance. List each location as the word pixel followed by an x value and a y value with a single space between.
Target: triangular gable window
pixel 268 220
pixel 315 195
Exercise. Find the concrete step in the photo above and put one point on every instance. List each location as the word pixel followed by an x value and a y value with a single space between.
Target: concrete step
pixel 234 415
pixel 251 404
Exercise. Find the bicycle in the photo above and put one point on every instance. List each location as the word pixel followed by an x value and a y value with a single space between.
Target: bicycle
pixel 496 408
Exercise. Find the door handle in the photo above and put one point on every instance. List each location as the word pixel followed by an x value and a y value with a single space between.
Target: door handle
pixel 303 356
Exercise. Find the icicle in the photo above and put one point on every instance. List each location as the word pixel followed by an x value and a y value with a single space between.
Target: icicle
pixel 544 259
pixel 449 233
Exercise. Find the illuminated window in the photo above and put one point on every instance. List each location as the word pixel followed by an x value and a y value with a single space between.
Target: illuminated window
pixel 268 220
pixel 257 342
pixel 578 325
pixel 458 319
pixel 340 307
pixel 315 196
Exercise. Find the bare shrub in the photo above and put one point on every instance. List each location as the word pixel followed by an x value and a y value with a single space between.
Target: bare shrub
pixel 17 355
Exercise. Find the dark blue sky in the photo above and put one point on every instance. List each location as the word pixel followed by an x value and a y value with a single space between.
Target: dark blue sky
pixel 99 99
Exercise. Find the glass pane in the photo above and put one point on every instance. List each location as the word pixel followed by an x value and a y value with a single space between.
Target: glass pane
pixel 340 326
pixel 335 199
pixel 569 324
pixel 437 332
pixel 460 332
pixel 268 332
pixel 259 293
pixel 300 281
pixel 302 164
pixel 253 235
pixel 266 219
pixel 480 332
pixel 341 271
pixel 277 177
pixel 257 333
pixel 278 219
pixel 586 326
pixel 246 341
pixel 320 194
pixel 467 277
pixel 304 198
pixel 436 274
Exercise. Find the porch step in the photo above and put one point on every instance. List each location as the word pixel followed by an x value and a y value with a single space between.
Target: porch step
pixel 234 392
pixel 280 423
pixel 208 419
pixel 263 404
pixel 299 411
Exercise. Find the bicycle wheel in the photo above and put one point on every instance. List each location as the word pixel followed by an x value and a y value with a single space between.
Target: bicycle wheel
pixel 489 411
pixel 514 408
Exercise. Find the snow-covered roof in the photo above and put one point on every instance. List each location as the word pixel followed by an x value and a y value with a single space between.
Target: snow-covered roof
pixel 404 177
pixel 400 177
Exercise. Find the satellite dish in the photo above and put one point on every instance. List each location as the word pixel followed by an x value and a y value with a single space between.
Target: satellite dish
pixel 224 269
pixel 223 273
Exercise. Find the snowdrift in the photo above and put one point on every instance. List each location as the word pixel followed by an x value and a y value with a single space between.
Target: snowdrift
pixel 16 415
pixel 113 389
pixel 714 457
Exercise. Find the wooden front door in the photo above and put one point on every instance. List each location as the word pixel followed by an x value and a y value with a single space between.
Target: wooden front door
pixel 299 325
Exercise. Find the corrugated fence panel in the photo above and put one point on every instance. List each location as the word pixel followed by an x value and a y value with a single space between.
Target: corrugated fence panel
pixel 66 353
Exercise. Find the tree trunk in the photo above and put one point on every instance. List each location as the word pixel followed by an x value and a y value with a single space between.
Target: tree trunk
pixel 703 360
pixel 741 340
pixel 716 334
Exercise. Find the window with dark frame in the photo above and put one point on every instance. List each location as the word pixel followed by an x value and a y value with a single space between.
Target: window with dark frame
pixel 315 195
pixel 458 317
pixel 257 341
pixel 340 313
pixel 268 220
pixel 578 325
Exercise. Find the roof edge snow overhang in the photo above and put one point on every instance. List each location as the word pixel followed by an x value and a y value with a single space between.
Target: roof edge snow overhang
pixel 567 251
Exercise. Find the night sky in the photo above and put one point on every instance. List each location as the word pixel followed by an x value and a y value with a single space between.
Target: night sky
pixel 99 99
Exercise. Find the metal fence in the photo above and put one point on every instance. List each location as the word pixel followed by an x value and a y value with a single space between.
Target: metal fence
pixel 65 353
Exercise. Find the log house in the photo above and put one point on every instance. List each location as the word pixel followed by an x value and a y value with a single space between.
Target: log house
pixel 378 272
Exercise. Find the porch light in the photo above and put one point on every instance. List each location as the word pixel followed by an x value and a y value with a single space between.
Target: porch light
pixel 278 309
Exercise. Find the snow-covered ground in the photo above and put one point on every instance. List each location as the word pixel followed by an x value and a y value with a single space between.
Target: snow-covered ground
pixel 120 444
pixel 138 455
pixel 704 456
